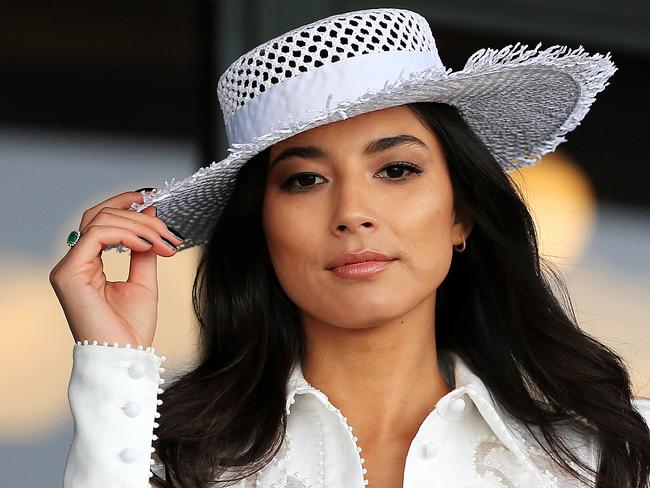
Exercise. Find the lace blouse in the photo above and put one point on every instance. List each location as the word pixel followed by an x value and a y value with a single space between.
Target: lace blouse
pixel 466 441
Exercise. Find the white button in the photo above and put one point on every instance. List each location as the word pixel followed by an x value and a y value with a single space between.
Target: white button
pixel 128 455
pixel 457 406
pixel 132 409
pixel 136 370
pixel 430 449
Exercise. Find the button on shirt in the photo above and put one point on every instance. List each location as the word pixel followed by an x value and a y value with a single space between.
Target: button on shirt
pixel 466 441
pixel 462 440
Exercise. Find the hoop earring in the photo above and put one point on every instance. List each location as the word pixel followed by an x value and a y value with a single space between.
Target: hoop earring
pixel 462 248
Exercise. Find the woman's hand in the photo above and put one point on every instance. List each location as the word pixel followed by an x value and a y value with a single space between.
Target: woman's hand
pixel 122 312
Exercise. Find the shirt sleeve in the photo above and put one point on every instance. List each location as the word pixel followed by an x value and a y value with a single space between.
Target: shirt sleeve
pixel 113 396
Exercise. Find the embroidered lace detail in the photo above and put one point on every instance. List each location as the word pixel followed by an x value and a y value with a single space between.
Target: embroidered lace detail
pixel 487 452
pixel 294 480
pixel 155 464
pixel 494 462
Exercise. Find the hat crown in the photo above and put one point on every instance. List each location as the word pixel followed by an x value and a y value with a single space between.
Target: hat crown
pixel 317 44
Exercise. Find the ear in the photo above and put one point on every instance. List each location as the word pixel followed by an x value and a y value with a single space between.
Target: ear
pixel 463 224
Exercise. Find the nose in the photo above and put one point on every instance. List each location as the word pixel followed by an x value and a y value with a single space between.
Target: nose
pixel 343 227
pixel 353 207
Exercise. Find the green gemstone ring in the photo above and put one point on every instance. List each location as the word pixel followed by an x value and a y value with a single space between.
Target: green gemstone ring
pixel 73 237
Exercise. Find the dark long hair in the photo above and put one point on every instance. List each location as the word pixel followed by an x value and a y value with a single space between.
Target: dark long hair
pixel 512 328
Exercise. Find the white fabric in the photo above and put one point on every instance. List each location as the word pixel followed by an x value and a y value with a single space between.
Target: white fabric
pixel 113 399
pixel 466 441
pixel 322 43
pixel 299 98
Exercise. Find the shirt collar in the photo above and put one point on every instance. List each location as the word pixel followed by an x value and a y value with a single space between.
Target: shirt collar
pixel 453 405
pixel 453 368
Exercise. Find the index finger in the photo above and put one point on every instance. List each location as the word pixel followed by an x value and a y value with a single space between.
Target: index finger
pixel 122 201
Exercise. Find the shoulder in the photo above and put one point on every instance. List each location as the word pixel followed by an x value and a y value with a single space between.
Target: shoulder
pixel 581 443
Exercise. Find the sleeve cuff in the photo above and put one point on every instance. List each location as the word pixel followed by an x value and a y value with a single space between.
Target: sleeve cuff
pixel 113 396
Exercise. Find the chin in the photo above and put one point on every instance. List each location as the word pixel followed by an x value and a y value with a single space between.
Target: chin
pixel 362 316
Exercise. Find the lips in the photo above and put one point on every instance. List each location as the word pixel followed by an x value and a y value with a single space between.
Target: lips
pixel 358 257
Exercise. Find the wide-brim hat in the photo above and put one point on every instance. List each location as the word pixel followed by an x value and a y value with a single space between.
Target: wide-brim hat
pixel 520 102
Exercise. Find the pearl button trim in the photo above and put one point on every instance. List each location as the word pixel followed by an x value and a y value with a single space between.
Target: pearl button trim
pixel 457 406
pixel 133 409
pixel 321 455
pixel 430 449
pixel 307 387
pixel 129 455
pixel 136 370
pixel 282 461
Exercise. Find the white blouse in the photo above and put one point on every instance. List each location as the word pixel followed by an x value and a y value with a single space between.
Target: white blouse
pixel 466 441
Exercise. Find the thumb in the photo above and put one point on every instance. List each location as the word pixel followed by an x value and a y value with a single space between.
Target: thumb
pixel 143 265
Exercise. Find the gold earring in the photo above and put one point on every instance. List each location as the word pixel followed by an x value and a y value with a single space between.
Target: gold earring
pixel 464 245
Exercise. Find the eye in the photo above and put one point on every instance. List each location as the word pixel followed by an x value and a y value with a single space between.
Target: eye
pixel 302 182
pixel 401 167
pixel 306 178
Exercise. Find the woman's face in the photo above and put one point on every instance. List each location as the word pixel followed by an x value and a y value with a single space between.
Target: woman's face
pixel 341 188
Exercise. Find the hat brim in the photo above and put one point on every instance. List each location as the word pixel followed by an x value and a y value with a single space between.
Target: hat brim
pixel 521 103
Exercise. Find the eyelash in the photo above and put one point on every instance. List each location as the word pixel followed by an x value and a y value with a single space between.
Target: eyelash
pixel 415 170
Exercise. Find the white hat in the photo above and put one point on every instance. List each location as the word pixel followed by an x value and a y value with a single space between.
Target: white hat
pixel 520 102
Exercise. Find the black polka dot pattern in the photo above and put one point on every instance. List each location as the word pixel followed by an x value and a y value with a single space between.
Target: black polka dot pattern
pixel 314 45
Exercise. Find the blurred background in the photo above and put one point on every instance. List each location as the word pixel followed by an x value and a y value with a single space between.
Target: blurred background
pixel 101 98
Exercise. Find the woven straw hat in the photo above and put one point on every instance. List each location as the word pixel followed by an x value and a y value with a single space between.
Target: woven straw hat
pixel 519 101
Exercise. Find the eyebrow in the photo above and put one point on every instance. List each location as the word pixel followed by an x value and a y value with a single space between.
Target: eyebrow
pixel 374 146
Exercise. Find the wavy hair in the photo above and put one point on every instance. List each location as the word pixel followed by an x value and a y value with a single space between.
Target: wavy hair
pixel 515 328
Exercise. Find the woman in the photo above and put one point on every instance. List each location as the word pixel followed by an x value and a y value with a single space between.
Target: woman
pixel 371 302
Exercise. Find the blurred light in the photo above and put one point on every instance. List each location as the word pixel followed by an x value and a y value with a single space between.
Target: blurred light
pixel 563 205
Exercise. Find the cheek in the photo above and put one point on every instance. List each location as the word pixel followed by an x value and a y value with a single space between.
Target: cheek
pixel 430 256
pixel 292 233
pixel 422 225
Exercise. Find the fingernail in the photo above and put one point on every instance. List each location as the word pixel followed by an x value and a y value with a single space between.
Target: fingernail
pixel 144 189
pixel 175 232
pixel 169 244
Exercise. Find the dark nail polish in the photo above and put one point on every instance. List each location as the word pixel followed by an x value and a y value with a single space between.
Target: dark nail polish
pixel 144 189
pixel 175 232
pixel 169 244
